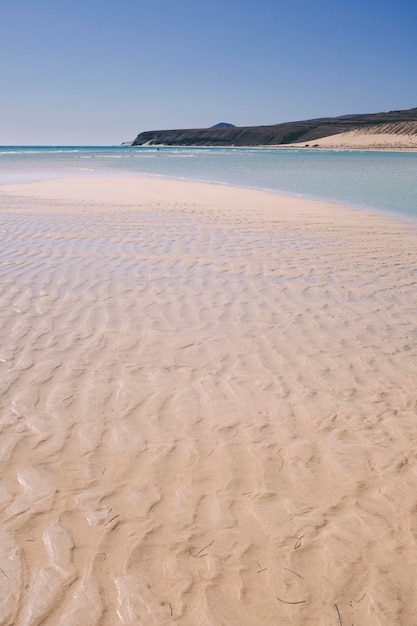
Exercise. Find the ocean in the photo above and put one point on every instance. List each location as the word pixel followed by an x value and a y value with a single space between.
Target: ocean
pixel 385 181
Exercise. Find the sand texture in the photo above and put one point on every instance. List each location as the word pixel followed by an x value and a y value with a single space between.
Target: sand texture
pixel 396 136
pixel 208 408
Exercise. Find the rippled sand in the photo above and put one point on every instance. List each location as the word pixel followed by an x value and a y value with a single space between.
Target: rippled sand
pixel 208 408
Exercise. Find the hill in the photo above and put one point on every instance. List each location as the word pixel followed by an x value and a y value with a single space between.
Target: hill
pixel 300 132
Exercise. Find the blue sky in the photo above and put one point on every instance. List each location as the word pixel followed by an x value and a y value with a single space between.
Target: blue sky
pixel 100 71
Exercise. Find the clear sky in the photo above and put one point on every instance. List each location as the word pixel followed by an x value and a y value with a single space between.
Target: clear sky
pixel 101 71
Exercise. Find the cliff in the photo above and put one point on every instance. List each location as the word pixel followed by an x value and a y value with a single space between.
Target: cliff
pixel 306 131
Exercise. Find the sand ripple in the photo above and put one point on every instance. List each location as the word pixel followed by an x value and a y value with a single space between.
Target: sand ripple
pixel 208 410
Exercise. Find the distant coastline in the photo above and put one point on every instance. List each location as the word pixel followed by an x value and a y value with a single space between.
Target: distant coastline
pixel 391 130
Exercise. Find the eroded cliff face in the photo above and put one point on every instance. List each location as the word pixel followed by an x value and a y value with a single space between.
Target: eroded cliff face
pixel 278 134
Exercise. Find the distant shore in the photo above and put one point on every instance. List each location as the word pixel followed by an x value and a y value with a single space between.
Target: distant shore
pixel 393 127
pixel 360 140
pixel 352 140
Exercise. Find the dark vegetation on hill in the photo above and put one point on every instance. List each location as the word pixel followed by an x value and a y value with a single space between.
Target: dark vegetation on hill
pixel 277 134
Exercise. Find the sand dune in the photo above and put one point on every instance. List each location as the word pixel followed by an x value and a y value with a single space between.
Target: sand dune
pixel 395 136
pixel 208 408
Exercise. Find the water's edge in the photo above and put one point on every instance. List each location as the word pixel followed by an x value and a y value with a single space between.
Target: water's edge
pixel 377 181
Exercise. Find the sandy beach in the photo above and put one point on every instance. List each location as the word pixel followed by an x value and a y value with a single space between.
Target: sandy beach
pixel 401 137
pixel 208 408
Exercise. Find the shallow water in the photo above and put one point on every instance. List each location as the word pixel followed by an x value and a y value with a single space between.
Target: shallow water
pixel 384 181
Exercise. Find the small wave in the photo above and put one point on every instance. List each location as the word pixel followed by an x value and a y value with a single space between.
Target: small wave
pixel 20 152
pixel 112 156
pixel 40 151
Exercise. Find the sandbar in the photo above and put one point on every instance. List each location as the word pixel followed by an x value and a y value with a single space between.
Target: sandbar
pixel 208 407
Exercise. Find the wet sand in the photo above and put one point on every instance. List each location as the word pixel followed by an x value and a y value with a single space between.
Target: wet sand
pixel 208 408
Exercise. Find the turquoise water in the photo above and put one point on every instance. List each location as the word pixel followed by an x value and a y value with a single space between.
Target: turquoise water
pixel 380 180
